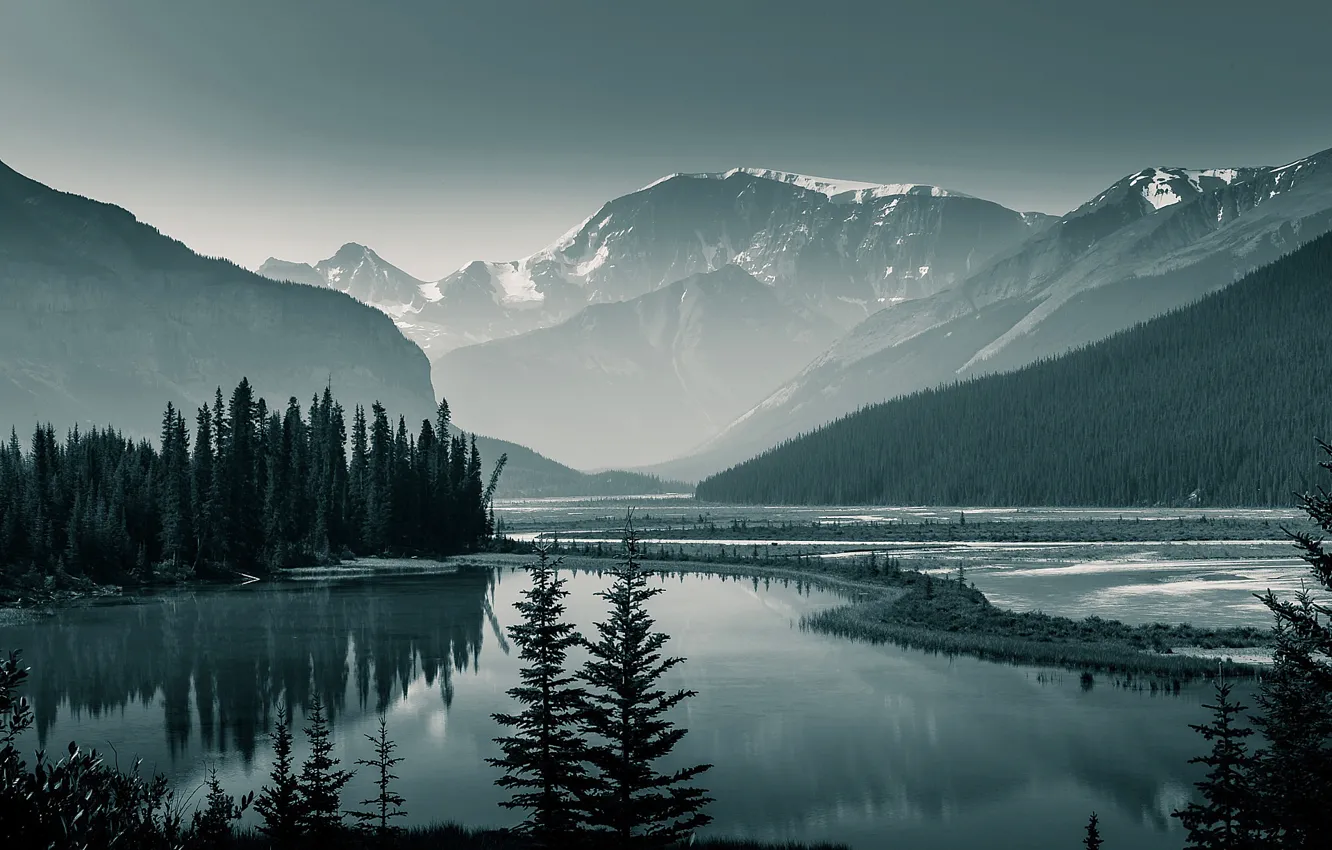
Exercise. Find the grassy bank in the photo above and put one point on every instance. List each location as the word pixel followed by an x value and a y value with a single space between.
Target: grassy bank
pixel 454 837
pixel 703 526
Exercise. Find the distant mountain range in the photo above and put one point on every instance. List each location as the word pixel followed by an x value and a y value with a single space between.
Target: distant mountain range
pixel 707 317
pixel 1158 239
pixel 815 257
pixel 1216 403
pixel 837 248
pixel 105 320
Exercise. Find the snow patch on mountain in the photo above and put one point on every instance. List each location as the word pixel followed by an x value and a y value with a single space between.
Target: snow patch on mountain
pixel 856 191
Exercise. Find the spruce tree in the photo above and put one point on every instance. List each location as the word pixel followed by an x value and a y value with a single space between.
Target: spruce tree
pixel 1092 840
pixel 212 823
pixel 321 782
pixel 279 803
pixel 387 804
pixel 1227 817
pixel 1293 770
pixel 629 802
pixel 544 754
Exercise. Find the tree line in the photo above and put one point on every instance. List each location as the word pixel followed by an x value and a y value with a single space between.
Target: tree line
pixel 1211 404
pixel 249 490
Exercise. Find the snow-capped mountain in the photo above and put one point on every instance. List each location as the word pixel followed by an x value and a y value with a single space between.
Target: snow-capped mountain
pixel 841 248
pixel 1153 241
pixel 634 381
pixel 362 274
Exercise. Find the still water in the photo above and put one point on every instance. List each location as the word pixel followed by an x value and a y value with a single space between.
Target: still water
pixel 812 737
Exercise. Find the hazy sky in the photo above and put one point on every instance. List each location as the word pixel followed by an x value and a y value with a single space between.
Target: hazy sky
pixel 440 131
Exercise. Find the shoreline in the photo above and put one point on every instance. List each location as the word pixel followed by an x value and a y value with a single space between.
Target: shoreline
pixel 897 608
pixel 887 604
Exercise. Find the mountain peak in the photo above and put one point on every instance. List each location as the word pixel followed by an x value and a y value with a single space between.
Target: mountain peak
pixel 1163 186
pixel 349 249
pixel 827 186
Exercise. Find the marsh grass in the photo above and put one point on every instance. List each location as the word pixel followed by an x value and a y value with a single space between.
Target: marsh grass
pixel 945 617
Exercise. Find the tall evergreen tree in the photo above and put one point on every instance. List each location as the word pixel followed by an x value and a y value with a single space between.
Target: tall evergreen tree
pixel 1227 818
pixel 321 781
pixel 279 803
pixel 630 802
pixel 1292 773
pixel 544 753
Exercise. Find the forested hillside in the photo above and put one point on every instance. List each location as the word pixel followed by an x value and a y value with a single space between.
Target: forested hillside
pixel 249 489
pixel 1217 403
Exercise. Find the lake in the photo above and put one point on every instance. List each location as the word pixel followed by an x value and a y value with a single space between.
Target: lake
pixel 812 737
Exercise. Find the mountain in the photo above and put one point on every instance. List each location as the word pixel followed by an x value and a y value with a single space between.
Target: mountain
pixel 105 320
pixel 1215 403
pixel 842 249
pixel 531 475
pixel 1153 241
pixel 632 381
pixel 364 275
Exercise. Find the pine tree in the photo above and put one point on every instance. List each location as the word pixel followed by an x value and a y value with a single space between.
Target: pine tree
pixel 544 754
pixel 629 802
pixel 358 481
pixel 387 804
pixel 1293 771
pixel 321 782
pixel 279 803
pixel 212 823
pixel 1092 841
pixel 201 489
pixel 1227 817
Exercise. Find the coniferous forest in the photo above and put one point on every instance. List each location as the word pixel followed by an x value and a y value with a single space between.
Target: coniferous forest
pixel 239 488
pixel 1213 404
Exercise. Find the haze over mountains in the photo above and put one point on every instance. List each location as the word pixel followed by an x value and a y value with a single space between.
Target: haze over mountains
pixel 1156 240
pixel 842 249
pixel 105 320
pixel 829 253
pixel 1215 403
pixel 902 286
pixel 680 329
pixel 654 375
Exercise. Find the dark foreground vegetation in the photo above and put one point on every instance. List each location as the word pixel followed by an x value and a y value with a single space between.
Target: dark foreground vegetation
pixel 1209 403
pixel 250 491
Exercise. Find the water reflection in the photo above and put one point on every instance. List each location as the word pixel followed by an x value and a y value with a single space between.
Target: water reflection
pixel 218 662
pixel 813 738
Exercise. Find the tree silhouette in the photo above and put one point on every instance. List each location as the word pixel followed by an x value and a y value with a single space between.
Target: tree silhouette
pixel 1226 819
pixel 321 782
pixel 387 804
pixel 1092 840
pixel 279 804
pixel 543 756
pixel 630 802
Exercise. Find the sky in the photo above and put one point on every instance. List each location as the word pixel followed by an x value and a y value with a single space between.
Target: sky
pixel 440 132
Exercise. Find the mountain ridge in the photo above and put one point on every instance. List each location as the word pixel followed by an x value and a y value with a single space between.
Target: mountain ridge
pixel 1112 262
pixel 1174 410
